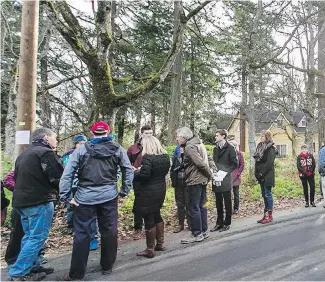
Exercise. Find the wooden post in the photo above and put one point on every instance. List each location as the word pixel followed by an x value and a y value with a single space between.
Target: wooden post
pixel 26 101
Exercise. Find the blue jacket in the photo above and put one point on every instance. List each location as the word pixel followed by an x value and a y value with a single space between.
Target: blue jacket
pixel 97 182
pixel 321 160
pixel 177 152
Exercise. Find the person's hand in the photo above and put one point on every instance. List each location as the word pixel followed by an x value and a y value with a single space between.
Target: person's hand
pixel 73 202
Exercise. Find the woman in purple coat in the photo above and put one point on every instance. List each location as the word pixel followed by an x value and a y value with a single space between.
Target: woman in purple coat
pixel 236 175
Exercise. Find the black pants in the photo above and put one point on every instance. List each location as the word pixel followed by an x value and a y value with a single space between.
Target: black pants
pixel 138 221
pixel 235 189
pixel 181 198
pixel 16 235
pixel 311 181
pixel 83 216
pixel 223 197
pixel 151 219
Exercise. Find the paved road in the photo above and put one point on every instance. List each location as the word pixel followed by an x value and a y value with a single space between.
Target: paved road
pixel 291 248
pixel 288 251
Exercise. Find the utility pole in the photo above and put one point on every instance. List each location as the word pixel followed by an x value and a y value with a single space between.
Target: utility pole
pixel 26 101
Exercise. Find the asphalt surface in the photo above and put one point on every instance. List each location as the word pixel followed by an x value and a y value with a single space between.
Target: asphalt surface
pixel 291 248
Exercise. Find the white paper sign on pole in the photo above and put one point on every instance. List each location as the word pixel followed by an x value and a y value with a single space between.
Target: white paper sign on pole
pixel 22 137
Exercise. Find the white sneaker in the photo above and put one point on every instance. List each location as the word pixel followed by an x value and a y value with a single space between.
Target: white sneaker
pixel 193 239
pixel 206 235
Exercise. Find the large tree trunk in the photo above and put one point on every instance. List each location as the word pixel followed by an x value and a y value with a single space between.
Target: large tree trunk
pixel 192 89
pixel 138 123
pixel 96 57
pixel 10 127
pixel 243 107
pixel 251 123
pixel 321 66
pixel 44 98
pixel 176 85
pixel 121 124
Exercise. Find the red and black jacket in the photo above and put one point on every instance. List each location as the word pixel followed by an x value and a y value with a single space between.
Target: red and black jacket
pixel 306 164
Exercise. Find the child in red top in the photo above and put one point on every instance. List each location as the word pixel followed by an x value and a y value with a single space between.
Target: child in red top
pixel 306 166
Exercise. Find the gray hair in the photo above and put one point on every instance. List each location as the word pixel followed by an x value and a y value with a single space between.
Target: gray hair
pixel 185 132
pixel 40 133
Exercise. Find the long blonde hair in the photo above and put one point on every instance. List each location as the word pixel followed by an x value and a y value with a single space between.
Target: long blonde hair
pixel 152 146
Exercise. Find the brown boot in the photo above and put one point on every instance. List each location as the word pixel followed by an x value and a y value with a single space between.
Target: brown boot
pixel 160 227
pixel 149 252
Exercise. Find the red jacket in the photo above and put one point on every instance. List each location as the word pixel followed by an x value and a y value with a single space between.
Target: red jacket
pixel 135 154
pixel 236 174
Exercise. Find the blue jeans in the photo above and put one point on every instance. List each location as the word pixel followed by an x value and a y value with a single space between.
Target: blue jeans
pixel 36 222
pixel 267 197
pixel 198 213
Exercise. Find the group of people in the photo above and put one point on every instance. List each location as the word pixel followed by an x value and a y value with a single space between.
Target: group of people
pixel 86 177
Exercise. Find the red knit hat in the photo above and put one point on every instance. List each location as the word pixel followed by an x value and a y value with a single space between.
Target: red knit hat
pixel 100 128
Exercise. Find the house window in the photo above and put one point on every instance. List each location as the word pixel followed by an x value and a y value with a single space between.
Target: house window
pixel 280 122
pixel 282 150
pixel 314 147
pixel 303 122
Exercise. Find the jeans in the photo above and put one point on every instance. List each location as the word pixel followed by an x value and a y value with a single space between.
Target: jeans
pixel 83 217
pixel 235 190
pixel 267 197
pixel 311 181
pixel 36 222
pixel 181 198
pixel 198 213
pixel 151 219
pixel 223 197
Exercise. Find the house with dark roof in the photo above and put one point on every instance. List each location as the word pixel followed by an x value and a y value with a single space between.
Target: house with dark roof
pixel 288 130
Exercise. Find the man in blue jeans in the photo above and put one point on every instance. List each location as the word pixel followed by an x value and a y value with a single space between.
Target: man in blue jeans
pixel 77 141
pixel 97 163
pixel 37 175
pixel 198 168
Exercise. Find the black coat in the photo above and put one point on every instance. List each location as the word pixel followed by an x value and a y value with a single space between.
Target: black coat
pixel 264 169
pixel 177 172
pixel 226 160
pixel 37 175
pixel 150 194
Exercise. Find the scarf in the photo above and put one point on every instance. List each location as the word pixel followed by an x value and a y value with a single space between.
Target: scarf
pixel 101 139
pixel 261 148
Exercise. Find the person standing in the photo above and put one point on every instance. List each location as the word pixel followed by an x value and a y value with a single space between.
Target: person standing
pixel 135 155
pixel 97 163
pixel 225 158
pixel 321 170
pixel 37 174
pixel 198 168
pixel 306 167
pixel 265 173
pixel 150 196
pixel 236 175
pixel 77 141
pixel 177 176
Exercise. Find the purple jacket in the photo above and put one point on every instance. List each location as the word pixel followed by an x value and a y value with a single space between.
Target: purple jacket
pixel 236 174
pixel 9 181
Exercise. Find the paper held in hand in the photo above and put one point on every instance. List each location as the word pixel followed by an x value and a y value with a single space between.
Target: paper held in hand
pixel 219 175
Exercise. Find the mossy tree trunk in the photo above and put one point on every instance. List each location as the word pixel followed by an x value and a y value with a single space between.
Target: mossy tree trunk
pixel 97 57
